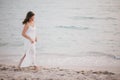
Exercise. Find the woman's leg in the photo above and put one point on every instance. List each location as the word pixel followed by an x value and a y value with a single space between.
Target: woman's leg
pixel 21 60
pixel 34 58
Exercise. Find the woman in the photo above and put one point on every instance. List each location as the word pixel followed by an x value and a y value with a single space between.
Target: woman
pixel 30 39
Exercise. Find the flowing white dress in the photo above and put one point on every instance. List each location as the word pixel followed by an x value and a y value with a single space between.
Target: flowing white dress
pixel 30 49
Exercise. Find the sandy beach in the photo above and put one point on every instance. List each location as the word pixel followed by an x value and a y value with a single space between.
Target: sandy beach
pixel 11 72
pixel 77 39
pixel 58 67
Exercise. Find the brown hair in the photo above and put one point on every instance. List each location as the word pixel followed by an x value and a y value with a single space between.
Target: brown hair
pixel 28 16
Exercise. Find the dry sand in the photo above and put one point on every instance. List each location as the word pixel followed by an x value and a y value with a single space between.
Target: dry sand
pixel 11 72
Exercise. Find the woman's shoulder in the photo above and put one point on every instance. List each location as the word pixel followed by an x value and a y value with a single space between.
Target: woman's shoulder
pixel 26 25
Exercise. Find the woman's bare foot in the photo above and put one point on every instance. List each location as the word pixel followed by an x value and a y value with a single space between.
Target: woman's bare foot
pixel 36 68
pixel 18 68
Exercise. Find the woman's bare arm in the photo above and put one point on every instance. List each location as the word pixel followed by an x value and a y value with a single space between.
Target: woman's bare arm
pixel 24 32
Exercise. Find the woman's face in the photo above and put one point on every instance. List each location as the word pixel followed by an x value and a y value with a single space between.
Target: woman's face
pixel 32 18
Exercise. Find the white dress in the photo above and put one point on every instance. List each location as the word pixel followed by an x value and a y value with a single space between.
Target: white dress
pixel 30 49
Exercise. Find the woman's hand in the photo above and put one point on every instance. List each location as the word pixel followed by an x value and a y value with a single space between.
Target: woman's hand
pixel 32 41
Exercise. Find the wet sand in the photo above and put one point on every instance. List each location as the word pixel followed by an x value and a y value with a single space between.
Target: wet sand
pixel 11 72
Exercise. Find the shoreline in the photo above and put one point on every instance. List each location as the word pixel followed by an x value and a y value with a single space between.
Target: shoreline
pixel 60 67
pixel 11 72
pixel 67 62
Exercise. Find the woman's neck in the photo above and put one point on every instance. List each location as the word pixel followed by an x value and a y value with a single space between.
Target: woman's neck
pixel 31 23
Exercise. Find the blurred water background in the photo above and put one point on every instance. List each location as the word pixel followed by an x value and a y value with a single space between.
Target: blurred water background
pixel 64 27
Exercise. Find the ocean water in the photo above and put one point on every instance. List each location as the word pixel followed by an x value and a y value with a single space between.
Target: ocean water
pixel 64 27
